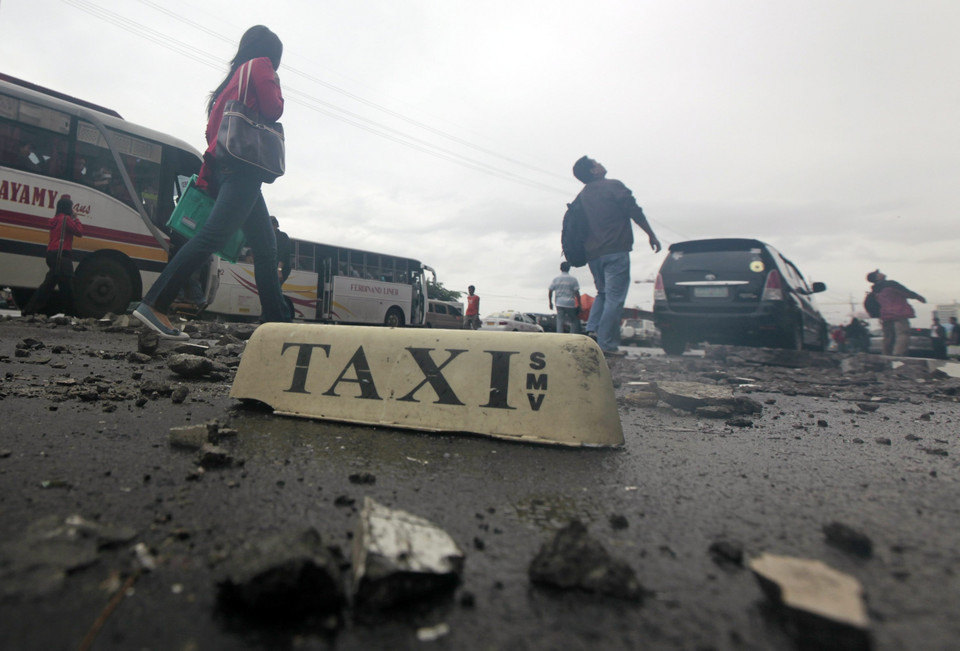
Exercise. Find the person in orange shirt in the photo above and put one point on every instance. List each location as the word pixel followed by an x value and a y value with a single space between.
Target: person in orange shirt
pixel 63 228
pixel 471 316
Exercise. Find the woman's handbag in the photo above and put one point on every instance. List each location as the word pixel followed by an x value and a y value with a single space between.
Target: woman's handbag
pixel 245 139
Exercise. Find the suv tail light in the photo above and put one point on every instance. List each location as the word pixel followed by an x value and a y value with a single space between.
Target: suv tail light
pixel 659 293
pixel 772 290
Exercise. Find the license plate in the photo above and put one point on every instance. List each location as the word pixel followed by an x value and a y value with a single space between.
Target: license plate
pixel 710 292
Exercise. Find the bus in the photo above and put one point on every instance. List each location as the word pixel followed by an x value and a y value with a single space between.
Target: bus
pixel 124 181
pixel 334 284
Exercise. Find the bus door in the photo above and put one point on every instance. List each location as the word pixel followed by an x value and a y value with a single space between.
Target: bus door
pixel 325 289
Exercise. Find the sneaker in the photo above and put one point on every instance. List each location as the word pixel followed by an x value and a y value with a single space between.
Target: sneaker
pixel 146 316
pixel 592 334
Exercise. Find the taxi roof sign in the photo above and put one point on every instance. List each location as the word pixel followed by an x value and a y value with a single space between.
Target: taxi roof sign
pixel 538 388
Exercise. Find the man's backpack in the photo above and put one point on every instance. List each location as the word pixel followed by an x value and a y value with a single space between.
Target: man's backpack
pixel 573 238
pixel 872 305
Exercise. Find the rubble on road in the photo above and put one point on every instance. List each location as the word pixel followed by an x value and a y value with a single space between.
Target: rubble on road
pixel 820 607
pixel 50 549
pixel 575 560
pixel 400 558
pixel 848 539
pixel 287 576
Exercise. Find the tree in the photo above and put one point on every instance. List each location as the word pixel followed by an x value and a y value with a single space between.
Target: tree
pixel 437 291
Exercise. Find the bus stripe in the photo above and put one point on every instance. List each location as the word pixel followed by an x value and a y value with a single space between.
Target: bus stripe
pixel 85 244
pixel 43 224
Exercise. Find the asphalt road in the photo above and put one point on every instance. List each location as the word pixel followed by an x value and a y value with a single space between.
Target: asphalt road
pixel 80 437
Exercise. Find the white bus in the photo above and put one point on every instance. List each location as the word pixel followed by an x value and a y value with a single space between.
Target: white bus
pixel 334 284
pixel 124 181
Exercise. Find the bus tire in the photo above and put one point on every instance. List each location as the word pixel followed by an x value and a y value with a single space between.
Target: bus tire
pixel 394 318
pixel 102 285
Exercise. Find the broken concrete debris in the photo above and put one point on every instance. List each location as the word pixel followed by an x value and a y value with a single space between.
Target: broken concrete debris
pixel 707 400
pixel 575 560
pixel 286 576
pixel 848 539
pixel 51 548
pixel 726 553
pixel 820 607
pixel 190 366
pixel 399 558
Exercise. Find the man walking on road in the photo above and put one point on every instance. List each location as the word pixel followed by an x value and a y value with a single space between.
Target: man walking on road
pixel 567 289
pixel 610 207
pixel 471 317
pixel 895 312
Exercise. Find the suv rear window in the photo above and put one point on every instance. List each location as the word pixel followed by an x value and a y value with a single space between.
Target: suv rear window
pixel 722 261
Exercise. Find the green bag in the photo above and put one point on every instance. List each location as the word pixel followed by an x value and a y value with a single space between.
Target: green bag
pixel 191 214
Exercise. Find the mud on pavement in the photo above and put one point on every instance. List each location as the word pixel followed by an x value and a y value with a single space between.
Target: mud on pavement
pixel 132 488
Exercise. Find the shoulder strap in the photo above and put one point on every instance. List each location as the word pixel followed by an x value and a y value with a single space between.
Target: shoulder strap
pixel 244 82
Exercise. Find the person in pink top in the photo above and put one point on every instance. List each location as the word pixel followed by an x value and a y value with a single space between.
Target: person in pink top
pixel 236 188
pixel 895 312
pixel 63 228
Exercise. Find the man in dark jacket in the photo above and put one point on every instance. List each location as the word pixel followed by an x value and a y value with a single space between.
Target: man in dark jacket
pixel 895 312
pixel 610 207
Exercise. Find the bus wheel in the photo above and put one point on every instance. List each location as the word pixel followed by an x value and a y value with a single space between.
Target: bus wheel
pixel 102 285
pixel 394 318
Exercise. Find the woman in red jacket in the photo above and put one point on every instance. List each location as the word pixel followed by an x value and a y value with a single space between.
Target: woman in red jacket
pixel 63 228
pixel 239 202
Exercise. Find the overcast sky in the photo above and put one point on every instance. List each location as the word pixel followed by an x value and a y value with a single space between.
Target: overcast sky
pixel 446 131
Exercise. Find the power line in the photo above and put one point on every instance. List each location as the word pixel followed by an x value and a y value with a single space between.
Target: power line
pixel 379 129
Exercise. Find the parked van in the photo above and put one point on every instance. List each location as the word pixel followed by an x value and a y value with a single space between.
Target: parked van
pixel 444 314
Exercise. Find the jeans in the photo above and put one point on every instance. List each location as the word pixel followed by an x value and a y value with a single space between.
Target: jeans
pixel 60 276
pixel 568 315
pixel 896 337
pixel 611 275
pixel 239 205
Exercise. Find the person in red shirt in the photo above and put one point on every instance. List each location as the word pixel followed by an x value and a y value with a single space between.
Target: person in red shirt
pixel 236 188
pixel 471 316
pixel 63 228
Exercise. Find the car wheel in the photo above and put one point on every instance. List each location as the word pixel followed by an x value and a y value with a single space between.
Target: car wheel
pixel 102 285
pixel 793 338
pixel 673 344
pixel 394 318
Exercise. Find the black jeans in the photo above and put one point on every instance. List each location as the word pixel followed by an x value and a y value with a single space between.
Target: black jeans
pixel 60 276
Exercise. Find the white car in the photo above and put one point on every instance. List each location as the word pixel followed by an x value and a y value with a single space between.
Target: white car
pixel 511 321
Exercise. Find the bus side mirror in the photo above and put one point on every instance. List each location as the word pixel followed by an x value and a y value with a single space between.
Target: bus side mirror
pixel 819 287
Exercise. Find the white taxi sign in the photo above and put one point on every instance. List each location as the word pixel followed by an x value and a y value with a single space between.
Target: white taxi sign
pixel 538 388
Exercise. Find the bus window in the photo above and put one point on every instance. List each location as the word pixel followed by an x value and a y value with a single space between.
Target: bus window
pixel 304 260
pixel 141 159
pixel 35 139
pixel 371 267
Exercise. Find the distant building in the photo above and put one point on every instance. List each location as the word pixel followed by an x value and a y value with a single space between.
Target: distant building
pixel 944 312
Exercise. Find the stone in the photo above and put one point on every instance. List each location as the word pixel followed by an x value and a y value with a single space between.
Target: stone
pixel 848 539
pixel 287 576
pixel 213 456
pixel 190 366
pixel 399 558
pixel 148 342
pixel 180 394
pixel 642 399
pixel 691 396
pixel 822 608
pixel 151 387
pixel 574 560
pixel 192 437
pixel 725 552
pixel 187 348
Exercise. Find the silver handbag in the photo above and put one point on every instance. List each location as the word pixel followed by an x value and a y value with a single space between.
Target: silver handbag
pixel 245 139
